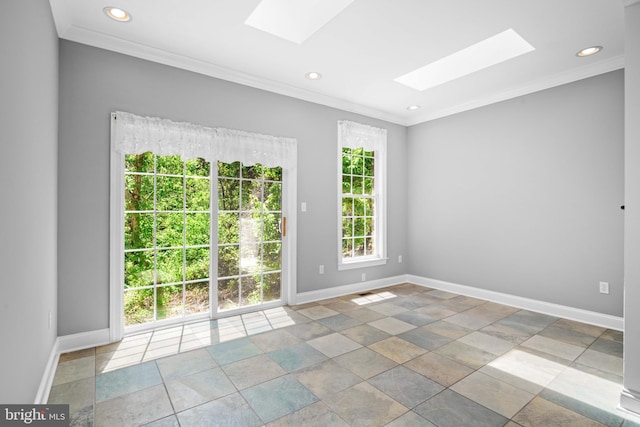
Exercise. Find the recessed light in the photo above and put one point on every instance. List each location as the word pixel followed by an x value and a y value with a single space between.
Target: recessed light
pixel 313 75
pixel 117 14
pixel 589 51
pixel 413 107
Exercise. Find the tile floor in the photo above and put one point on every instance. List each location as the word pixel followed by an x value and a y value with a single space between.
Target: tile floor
pixel 401 356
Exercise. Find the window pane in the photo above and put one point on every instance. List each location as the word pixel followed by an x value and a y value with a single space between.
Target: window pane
pixel 250 258
pixel 358 246
pixel 273 174
pixel 368 166
pixel 358 206
pixel 228 264
pixel 250 290
pixel 197 296
pixel 228 194
pixel 358 227
pixel 347 227
pixel 197 229
pixel 228 293
pixel 138 306
pixel 231 170
pixel 271 256
pixel 272 196
pixel 138 269
pixel 169 266
pixel 197 167
pixel 169 302
pixel 368 186
pixel 369 226
pixel 272 227
pixel 169 230
pixel 197 266
pixel 346 184
pixel 169 165
pixel 198 194
pixel 271 287
pixel 251 195
pixel 347 206
pixel 347 248
pixel 356 187
pixel 251 227
pixel 169 193
pixel 228 226
pixel 139 162
pixel 139 192
pixel 252 172
pixel 138 230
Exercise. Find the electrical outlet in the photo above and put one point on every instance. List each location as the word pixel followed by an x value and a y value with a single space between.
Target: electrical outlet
pixel 303 206
pixel 400 259
pixel 364 277
pixel 604 287
pixel 321 269
pixel 50 319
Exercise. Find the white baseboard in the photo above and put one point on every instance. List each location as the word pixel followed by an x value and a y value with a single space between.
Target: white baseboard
pixel 338 291
pixel 47 378
pixel 83 340
pixel 557 310
pixel 630 401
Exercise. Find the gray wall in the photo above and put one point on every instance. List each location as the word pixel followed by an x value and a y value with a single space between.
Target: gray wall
pixel 632 207
pixel 28 170
pixel 95 82
pixel 523 197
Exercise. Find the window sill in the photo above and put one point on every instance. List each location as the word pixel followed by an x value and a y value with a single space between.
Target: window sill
pixel 361 263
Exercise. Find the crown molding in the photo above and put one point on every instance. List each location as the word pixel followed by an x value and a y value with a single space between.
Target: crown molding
pixel 591 70
pixel 104 41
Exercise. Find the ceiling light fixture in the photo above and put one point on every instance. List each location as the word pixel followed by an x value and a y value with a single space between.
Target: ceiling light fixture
pixel 589 51
pixel 413 107
pixel 484 54
pixel 117 14
pixel 313 75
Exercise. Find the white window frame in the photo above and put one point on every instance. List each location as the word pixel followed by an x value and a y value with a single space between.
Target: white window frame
pixel 356 135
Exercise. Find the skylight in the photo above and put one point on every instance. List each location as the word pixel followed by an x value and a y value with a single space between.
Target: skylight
pixel 494 50
pixel 294 20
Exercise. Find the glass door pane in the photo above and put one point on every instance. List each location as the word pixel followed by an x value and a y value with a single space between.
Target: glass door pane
pixel 249 235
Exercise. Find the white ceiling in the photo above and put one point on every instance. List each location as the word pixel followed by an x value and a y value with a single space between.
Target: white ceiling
pixel 364 48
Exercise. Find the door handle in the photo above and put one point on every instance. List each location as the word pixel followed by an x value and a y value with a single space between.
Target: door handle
pixel 284 226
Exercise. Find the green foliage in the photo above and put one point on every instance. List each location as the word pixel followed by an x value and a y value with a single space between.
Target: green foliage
pixel 167 248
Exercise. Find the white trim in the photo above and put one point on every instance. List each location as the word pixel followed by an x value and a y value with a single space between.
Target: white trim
pixel 354 288
pixel 630 401
pixel 116 240
pixel 83 340
pixel 628 3
pixel 126 47
pixel 557 310
pixel 289 242
pixel 42 396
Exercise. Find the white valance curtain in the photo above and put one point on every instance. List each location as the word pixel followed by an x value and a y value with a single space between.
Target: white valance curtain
pixel 136 134
pixel 357 135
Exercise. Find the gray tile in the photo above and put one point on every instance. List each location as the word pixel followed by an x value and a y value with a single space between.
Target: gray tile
pixel 317 312
pixel 556 348
pixel 405 386
pixel 593 330
pixel 314 415
pixel 78 394
pixel 365 334
pixel 415 318
pixel 603 345
pixel 507 333
pixel 601 361
pixel 612 335
pixel 339 322
pixel 568 336
pixel 451 330
pixel 309 331
pixel 605 417
pixel 365 315
pixel 74 370
pixel 230 411
pixel 388 308
pixel 185 364
pixel 392 325
pixel 437 311
pixel 527 321
pixel 171 421
pixel 327 378
pixel 439 368
pixel 277 398
pixel 233 351
pixel 397 349
pixel 140 407
pixel 275 340
pixel 195 389
pixel 410 419
pixel 254 370
pixel 465 354
pixel 297 357
pixel 127 380
pixel 425 339
pixel 488 343
pixel 449 409
pixel 365 362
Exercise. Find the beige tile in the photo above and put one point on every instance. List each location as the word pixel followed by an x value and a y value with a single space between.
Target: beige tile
pixel 365 315
pixel 275 340
pixel 365 334
pixel 66 357
pixel 315 415
pixel 494 394
pixel 397 349
pixel 601 361
pixel 365 362
pixel 541 412
pixel 195 389
pixel 74 370
pixel 388 308
pixel 183 364
pixel 467 355
pixel 447 329
pixel 487 343
pixel 435 311
pixel 317 312
pixel 391 325
pixel 136 408
pixel 106 362
pixel 364 405
pixel 439 368
pixel 327 378
pixel 592 330
pixel 333 345
pixel 255 370
pixel 556 348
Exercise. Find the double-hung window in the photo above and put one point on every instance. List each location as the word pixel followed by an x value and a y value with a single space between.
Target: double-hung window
pixel 361 195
